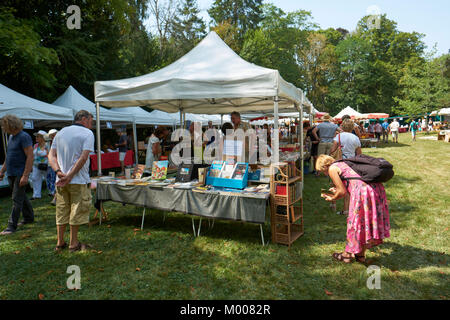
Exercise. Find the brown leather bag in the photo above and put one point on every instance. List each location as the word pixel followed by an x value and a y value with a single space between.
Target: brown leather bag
pixel 337 154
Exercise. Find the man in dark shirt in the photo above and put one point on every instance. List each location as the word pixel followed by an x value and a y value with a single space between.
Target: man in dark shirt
pixel 18 165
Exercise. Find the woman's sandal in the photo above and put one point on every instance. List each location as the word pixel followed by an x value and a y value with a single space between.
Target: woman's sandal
pixel 61 247
pixel 80 247
pixel 360 259
pixel 340 257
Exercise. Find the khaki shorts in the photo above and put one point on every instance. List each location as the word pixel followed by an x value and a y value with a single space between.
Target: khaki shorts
pixel 324 148
pixel 122 156
pixel 73 204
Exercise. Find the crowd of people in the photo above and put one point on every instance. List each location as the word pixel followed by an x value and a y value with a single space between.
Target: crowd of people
pixel 66 171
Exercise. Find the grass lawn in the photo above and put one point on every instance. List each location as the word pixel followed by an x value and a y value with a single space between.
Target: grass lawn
pixel 228 261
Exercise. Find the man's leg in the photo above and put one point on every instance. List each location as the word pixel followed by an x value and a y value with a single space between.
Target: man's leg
pixel 27 210
pixel 18 196
pixel 63 207
pixel 73 236
pixel 81 207
pixel 60 233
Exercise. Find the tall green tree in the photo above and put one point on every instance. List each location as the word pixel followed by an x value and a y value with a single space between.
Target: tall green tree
pixel 424 87
pixel 24 60
pixel 188 28
pixel 243 14
pixel 274 44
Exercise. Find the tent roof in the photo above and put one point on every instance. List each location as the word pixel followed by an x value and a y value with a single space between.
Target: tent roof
pixel 72 99
pixel 24 107
pixel 210 79
pixel 444 112
pixel 348 111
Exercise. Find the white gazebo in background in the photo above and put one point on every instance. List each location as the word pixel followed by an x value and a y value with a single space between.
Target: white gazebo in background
pixel 348 111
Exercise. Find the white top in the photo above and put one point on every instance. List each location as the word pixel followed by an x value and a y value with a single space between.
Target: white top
pixel 69 143
pixel 150 157
pixel 349 143
pixel 394 126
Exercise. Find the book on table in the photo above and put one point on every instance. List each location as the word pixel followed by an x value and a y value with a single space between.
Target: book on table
pixel 159 170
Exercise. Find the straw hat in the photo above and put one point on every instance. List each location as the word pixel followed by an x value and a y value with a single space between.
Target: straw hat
pixel 326 117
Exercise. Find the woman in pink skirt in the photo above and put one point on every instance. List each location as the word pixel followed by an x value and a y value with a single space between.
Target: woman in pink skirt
pixel 368 218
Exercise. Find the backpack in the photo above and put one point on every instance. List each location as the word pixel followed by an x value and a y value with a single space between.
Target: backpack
pixel 415 126
pixel 370 169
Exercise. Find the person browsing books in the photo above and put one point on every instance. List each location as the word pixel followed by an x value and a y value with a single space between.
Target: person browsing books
pixel 154 148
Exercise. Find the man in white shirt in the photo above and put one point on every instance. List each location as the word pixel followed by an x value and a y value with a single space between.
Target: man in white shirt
pixel 393 128
pixel 69 159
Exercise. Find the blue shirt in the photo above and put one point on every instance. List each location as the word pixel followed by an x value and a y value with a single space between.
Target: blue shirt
pixel 327 131
pixel 385 125
pixel 412 126
pixel 15 156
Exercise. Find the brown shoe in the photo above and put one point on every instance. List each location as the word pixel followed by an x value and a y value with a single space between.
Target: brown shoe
pixel 80 247
pixel 61 247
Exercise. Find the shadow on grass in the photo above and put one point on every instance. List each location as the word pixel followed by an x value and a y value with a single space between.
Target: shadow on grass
pixel 398 180
pixel 400 257
pixel 382 145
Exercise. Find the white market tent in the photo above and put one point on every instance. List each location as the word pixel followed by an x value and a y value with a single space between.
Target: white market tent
pixel 348 111
pixel 74 100
pixel 444 112
pixel 210 79
pixel 26 108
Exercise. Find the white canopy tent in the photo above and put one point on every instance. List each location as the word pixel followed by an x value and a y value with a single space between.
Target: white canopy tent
pixel 210 79
pixel 74 100
pixel 26 108
pixel 444 112
pixel 348 111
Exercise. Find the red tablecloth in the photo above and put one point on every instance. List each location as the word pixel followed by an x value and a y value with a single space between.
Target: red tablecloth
pixel 401 130
pixel 111 160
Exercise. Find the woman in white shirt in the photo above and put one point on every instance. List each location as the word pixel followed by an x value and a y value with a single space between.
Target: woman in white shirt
pixel 153 148
pixel 351 146
pixel 350 143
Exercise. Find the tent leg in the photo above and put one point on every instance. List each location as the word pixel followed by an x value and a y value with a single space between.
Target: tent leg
pixel 136 156
pixel 199 227
pixel 193 226
pixel 4 138
pixel 262 234
pixel 99 145
pixel 276 138
pixel 143 216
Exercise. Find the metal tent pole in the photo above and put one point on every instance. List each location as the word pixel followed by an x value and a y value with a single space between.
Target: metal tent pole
pixel 301 141
pixel 276 144
pixel 99 148
pixel 4 138
pixel 135 143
